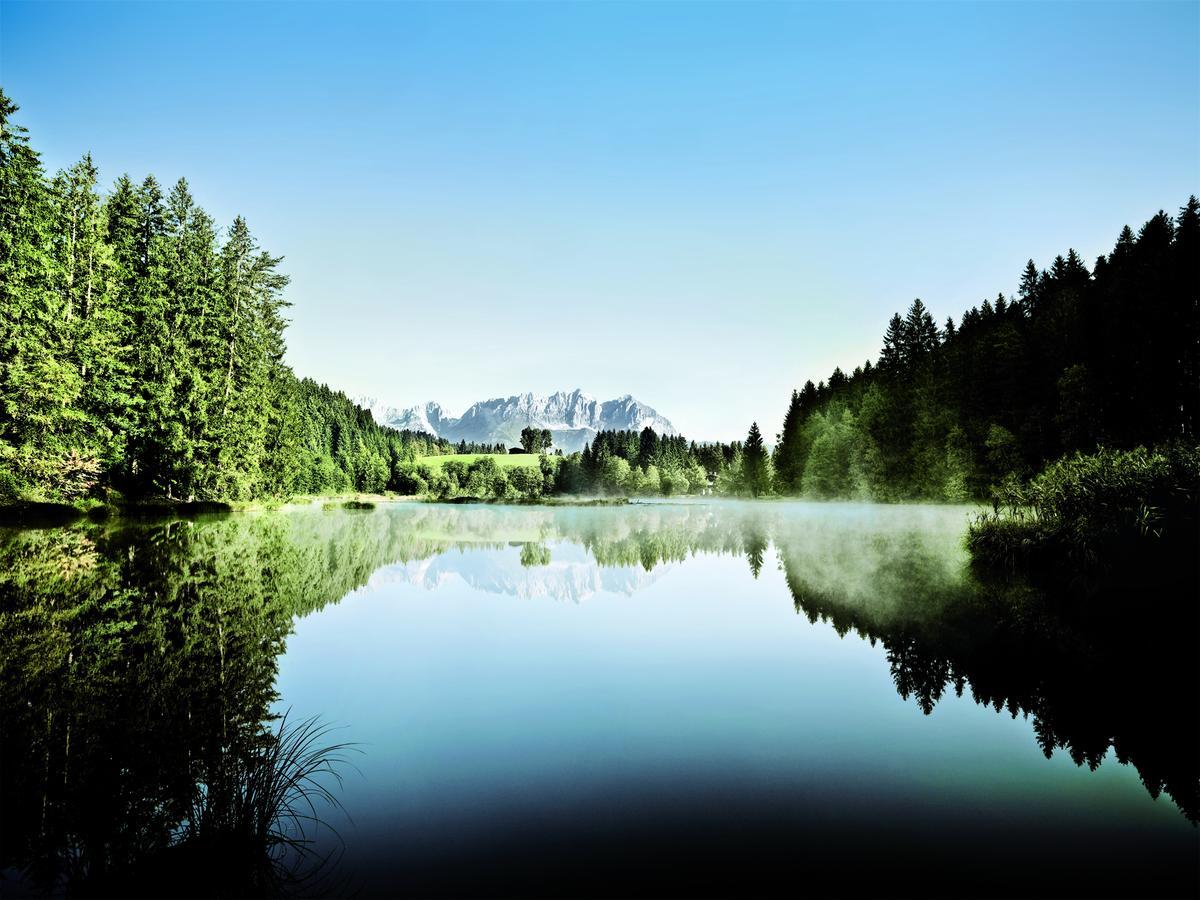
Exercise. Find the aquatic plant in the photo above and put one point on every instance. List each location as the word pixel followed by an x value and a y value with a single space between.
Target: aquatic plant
pixel 256 818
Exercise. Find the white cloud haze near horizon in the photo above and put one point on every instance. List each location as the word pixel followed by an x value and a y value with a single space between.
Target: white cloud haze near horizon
pixel 701 206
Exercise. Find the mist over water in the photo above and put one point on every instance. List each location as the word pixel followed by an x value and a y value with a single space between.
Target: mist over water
pixel 683 698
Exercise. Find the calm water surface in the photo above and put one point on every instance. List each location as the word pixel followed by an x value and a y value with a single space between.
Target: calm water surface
pixel 683 698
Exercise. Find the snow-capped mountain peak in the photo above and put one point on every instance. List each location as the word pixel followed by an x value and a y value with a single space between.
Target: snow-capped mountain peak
pixel 572 417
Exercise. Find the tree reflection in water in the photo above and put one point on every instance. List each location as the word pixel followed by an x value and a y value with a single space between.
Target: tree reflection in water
pixel 139 661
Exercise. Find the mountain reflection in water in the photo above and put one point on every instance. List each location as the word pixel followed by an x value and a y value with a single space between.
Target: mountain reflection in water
pixel 141 661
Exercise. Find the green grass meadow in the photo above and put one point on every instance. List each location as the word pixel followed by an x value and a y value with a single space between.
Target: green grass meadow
pixel 503 460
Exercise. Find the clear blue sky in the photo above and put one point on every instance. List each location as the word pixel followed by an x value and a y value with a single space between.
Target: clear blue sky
pixel 702 205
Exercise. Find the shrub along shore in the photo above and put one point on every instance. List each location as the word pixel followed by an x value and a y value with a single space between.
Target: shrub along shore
pixel 1115 517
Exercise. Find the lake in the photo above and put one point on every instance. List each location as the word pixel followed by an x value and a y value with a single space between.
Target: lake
pixel 692 698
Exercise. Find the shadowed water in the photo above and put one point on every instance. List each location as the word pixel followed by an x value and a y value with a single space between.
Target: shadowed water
pixel 691 698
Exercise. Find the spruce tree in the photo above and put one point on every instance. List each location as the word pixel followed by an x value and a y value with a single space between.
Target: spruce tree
pixel 648 447
pixel 788 464
pixel 892 357
pixel 93 322
pixel 39 382
pixel 920 333
pixel 755 467
pixel 1030 286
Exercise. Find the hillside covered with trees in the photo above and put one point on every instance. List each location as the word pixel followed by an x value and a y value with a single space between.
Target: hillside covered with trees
pixel 1077 360
pixel 142 352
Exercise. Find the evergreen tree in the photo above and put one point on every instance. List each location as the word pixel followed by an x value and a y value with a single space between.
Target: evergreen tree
pixel 91 325
pixel 756 472
pixel 648 447
pixel 892 357
pixel 39 382
pixel 787 456
pixel 1030 285
pixel 919 334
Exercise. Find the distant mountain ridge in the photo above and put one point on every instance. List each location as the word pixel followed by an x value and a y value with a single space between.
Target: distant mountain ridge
pixel 573 418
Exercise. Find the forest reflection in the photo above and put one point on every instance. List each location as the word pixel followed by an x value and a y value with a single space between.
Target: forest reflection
pixel 139 660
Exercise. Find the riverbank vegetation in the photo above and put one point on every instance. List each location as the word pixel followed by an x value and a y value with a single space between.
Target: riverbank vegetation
pixel 1102 516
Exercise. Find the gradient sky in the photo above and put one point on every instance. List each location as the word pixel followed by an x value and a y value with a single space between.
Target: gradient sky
pixel 702 205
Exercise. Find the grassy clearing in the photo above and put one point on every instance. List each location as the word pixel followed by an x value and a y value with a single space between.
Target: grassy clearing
pixel 503 460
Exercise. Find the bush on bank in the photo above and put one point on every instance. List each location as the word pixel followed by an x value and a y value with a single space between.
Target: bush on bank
pixel 1130 511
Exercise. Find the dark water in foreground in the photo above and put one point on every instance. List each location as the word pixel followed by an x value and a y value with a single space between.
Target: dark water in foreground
pixel 658 699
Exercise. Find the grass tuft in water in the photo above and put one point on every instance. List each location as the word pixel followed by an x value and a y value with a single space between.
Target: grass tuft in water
pixel 257 821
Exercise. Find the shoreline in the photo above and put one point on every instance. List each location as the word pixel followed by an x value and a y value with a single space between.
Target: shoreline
pixel 49 514
pixel 33 513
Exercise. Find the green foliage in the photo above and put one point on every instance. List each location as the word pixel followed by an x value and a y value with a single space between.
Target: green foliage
pixel 522 477
pixel 142 357
pixel 1076 360
pixel 1110 511
pixel 648 464
pixel 501 460
pixel 833 468
pixel 730 479
pixel 535 440
pixel 614 475
pixel 1003 453
pixel 756 471
pixel 959 467
pixel 526 481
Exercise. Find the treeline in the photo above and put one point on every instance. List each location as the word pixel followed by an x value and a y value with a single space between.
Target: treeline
pixel 618 463
pixel 477 447
pixel 339 447
pixel 645 463
pixel 1077 360
pixel 481 479
pixel 141 354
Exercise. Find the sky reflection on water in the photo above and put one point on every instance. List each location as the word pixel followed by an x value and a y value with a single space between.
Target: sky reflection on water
pixel 577 726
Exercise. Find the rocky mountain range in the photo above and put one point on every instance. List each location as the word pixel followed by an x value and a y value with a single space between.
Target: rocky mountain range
pixel 573 418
